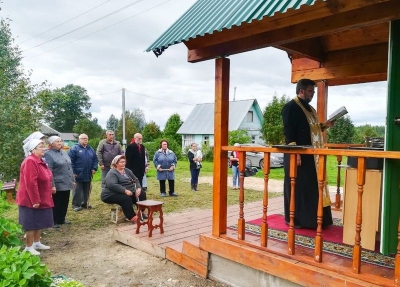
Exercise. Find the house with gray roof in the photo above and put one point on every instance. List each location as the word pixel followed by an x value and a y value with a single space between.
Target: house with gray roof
pixel 199 125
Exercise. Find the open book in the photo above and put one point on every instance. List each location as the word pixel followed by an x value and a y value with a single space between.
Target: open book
pixel 337 114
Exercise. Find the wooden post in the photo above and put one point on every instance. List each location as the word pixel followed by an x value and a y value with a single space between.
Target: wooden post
pixel 320 212
pixel 264 224
pixel 241 221
pixel 322 100
pixel 221 118
pixel 293 175
pixel 361 170
pixel 397 259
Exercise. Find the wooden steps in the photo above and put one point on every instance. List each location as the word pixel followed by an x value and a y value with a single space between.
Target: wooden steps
pixel 191 257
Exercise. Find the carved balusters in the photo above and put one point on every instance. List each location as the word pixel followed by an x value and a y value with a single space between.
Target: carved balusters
pixel 264 224
pixel 321 175
pixel 241 221
pixel 361 170
pixel 338 196
pixel 293 175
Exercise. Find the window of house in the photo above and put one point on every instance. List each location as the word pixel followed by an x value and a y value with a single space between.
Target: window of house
pixel 206 140
pixel 253 139
pixel 250 116
pixel 188 140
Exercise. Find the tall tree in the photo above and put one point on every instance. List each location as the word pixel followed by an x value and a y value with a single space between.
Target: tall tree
pixel 364 131
pixel 151 131
pixel 112 123
pixel 342 131
pixel 272 128
pixel 172 126
pixel 89 127
pixel 238 136
pixel 19 114
pixel 64 108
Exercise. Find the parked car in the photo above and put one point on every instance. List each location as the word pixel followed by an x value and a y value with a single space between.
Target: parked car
pixel 257 158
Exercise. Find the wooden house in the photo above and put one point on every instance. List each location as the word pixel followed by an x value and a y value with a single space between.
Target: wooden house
pixel 199 125
pixel 334 42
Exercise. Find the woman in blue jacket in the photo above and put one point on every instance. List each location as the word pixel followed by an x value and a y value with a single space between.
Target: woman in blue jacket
pixel 165 163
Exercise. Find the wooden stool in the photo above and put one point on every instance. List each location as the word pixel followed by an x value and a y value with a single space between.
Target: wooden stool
pixel 117 216
pixel 9 188
pixel 151 206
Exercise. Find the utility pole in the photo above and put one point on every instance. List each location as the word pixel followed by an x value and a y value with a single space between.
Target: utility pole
pixel 123 120
pixel 234 93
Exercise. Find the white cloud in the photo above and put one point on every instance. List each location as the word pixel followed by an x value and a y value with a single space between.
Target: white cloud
pixel 113 59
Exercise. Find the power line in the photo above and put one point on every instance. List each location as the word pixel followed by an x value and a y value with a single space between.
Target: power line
pixel 105 93
pixel 51 29
pixel 86 25
pixel 147 96
pixel 98 30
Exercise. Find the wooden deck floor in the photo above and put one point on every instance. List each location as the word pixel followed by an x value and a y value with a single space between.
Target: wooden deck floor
pixel 188 226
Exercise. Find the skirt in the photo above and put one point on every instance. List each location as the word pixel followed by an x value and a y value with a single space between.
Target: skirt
pixel 35 218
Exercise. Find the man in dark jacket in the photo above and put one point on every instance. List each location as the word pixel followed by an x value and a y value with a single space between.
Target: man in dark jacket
pixel 136 157
pixel 84 164
pixel 107 150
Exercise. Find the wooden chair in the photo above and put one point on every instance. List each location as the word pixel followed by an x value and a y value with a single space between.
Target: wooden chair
pixel 151 206
pixel 10 189
pixel 116 214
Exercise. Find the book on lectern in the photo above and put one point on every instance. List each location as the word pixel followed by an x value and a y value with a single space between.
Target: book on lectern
pixel 337 114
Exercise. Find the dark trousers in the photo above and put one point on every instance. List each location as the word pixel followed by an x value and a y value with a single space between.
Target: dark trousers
pixel 80 195
pixel 61 200
pixel 195 175
pixel 125 201
pixel 171 185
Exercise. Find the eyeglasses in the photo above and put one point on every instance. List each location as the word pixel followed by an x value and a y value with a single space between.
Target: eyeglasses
pixel 83 138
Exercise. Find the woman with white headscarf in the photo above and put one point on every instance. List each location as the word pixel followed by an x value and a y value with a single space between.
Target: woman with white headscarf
pixel 63 179
pixel 122 187
pixel 32 136
pixel 34 196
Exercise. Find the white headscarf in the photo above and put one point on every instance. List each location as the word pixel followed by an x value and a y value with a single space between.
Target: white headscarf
pixel 35 135
pixel 32 144
pixel 53 139
pixel 115 160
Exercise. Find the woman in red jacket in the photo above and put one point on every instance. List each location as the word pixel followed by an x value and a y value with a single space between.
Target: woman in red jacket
pixel 34 197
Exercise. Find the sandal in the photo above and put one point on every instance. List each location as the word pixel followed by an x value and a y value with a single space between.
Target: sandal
pixel 134 219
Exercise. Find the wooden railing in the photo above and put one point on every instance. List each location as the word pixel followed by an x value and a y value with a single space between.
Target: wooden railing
pixel 321 177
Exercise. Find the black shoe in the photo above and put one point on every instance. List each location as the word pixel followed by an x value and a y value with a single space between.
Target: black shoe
pixel 143 217
pixel 173 194
pixel 86 206
pixel 298 226
pixel 66 222
pixel 56 226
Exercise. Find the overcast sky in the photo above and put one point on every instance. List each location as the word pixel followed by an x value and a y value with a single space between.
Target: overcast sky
pixel 106 56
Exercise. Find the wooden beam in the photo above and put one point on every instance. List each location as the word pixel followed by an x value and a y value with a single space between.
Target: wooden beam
pixel 368 15
pixel 221 117
pixel 309 48
pixel 319 10
pixel 322 103
pixel 358 80
pixel 374 68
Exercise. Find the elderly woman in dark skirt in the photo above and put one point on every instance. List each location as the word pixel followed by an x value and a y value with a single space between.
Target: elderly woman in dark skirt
pixel 63 179
pixel 35 204
pixel 122 187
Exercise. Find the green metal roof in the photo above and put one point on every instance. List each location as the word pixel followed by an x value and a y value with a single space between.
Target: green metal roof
pixel 208 16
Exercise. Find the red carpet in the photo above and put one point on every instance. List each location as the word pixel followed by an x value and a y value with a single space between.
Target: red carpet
pixel 332 233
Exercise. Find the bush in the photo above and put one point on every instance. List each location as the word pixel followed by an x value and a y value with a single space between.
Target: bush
pixel 62 281
pixel 153 146
pixel 208 152
pixel 94 142
pixel 20 268
pixel 9 233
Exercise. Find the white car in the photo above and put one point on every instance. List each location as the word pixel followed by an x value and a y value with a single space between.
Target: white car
pixel 257 158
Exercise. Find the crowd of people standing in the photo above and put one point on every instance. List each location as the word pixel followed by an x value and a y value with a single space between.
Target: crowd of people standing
pixel 49 174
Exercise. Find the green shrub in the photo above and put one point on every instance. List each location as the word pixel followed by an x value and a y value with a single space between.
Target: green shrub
pixel 153 146
pixel 208 152
pixel 9 233
pixel 20 268
pixel 62 281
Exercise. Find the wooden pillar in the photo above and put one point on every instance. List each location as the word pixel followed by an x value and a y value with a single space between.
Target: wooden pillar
pixel 321 174
pixel 264 224
pixel 322 103
pixel 221 119
pixel 391 191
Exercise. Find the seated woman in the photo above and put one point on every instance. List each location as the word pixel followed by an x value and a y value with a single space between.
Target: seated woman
pixel 122 187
